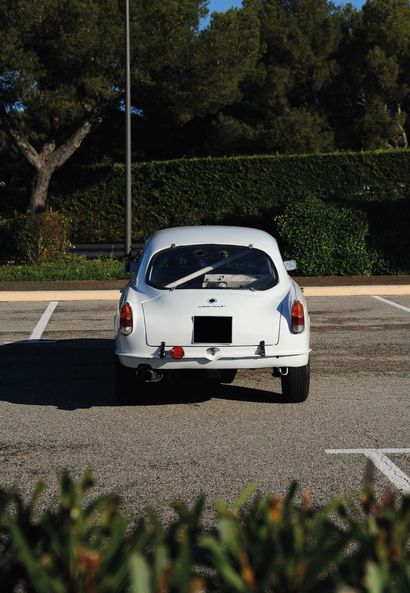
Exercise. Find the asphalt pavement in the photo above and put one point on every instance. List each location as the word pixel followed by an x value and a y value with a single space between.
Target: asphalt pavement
pixel 58 408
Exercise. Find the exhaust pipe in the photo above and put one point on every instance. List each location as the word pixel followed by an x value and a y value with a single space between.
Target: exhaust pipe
pixel 150 375
pixel 280 371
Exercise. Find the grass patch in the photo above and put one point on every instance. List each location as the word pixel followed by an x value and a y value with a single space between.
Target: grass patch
pixel 68 267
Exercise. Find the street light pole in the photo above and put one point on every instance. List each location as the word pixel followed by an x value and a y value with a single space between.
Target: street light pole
pixel 127 242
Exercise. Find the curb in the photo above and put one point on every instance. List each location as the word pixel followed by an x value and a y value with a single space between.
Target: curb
pixel 59 295
pixel 372 290
pixel 113 295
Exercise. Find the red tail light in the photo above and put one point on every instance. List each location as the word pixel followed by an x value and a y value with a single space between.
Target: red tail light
pixel 177 352
pixel 298 318
pixel 126 321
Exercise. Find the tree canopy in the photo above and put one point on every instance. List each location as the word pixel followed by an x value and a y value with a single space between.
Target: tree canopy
pixel 274 76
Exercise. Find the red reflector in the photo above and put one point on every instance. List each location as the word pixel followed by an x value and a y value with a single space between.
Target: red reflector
pixel 177 352
pixel 298 317
pixel 126 321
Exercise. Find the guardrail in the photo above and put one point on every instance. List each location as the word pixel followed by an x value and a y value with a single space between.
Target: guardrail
pixel 93 250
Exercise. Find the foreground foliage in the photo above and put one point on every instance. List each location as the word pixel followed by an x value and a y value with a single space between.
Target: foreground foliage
pixel 261 544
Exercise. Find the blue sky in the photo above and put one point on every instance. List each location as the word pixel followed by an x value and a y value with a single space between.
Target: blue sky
pixel 215 5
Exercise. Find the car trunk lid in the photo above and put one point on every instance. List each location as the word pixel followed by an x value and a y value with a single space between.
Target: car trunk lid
pixel 186 318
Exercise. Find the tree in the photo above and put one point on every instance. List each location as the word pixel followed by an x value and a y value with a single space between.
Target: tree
pixel 370 97
pixel 59 65
pixel 61 71
pixel 282 108
pixel 184 79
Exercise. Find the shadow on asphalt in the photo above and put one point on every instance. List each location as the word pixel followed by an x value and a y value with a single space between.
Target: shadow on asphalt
pixel 73 374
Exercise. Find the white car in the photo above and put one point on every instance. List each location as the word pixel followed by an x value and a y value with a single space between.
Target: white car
pixel 214 299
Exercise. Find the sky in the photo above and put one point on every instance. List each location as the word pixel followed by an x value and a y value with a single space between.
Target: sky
pixel 220 5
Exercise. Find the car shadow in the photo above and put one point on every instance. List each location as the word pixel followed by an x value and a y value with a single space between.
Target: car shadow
pixel 68 374
pixel 248 394
pixel 79 373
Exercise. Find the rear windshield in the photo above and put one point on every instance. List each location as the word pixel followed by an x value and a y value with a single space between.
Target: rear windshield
pixel 212 266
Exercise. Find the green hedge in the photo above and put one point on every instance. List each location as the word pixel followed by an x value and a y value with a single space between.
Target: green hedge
pixel 250 191
pixel 260 545
pixel 246 191
pixel 216 189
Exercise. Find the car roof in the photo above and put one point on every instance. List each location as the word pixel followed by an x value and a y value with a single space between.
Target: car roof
pixel 222 234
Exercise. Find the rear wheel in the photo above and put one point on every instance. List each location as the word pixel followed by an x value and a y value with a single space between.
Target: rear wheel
pixel 295 385
pixel 127 384
pixel 228 375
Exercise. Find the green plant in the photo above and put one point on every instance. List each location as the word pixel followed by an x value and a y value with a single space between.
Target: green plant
pixel 248 191
pixel 44 236
pixel 233 190
pixel 66 267
pixel 325 239
pixel 274 544
pixel 75 547
pixel 262 544
pixel 7 241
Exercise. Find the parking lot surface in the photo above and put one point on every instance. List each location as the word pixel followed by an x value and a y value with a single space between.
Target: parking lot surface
pixel 58 410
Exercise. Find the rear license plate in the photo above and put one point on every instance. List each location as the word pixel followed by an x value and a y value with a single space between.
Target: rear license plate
pixel 211 330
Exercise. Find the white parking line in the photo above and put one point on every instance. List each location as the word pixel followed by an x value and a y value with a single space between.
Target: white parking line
pixel 44 319
pixel 383 463
pixel 393 304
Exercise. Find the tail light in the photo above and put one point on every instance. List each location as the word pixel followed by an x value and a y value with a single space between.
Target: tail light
pixel 126 321
pixel 298 318
pixel 177 352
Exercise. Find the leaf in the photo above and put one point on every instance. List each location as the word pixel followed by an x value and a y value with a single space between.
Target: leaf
pixel 244 497
pixel 140 574
pixel 373 578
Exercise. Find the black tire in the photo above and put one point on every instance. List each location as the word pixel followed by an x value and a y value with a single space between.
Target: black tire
pixel 127 383
pixel 295 385
pixel 228 375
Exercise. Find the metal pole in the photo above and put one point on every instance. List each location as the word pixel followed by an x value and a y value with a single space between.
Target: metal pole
pixel 127 242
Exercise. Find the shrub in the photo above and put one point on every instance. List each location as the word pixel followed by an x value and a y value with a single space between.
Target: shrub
pixel 7 239
pixel 66 267
pixel 325 239
pixel 38 238
pixel 260 545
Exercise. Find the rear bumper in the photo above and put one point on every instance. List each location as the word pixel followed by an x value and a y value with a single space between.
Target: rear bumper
pixel 224 361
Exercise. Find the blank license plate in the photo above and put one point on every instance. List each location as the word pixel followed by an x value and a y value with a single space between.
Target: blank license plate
pixel 211 330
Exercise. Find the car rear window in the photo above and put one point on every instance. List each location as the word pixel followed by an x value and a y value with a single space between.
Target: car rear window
pixel 212 266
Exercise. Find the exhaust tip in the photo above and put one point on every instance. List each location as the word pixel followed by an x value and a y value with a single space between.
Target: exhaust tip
pixel 150 375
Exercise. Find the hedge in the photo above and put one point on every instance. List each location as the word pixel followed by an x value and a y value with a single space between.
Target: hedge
pixel 250 191
pixel 262 544
pixel 216 189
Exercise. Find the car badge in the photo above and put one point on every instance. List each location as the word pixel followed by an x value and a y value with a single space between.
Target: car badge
pixel 212 301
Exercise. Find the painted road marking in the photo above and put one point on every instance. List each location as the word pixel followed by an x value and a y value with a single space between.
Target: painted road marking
pixel 42 323
pixel 383 463
pixel 393 304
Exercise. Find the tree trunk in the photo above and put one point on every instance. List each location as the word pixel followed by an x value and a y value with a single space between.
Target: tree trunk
pixel 48 159
pixel 39 192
